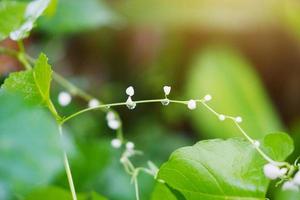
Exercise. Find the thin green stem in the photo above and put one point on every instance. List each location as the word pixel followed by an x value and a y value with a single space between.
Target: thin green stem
pixel 9 52
pixel 107 106
pixel 136 186
pixel 68 169
pixel 71 88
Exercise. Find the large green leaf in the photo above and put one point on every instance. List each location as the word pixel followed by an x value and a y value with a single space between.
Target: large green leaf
pixel 162 192
pixel 33 85
pixel 286 195
pixel 30 149
pixel 222 169
pixel 236 90
pixel 75 16
pixel 11 17
pixel 54 193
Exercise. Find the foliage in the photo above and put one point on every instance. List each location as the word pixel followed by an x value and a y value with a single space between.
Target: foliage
pixel 217 169
pixel 35 146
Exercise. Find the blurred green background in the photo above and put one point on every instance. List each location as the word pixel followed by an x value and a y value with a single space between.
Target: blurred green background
pixel 246 54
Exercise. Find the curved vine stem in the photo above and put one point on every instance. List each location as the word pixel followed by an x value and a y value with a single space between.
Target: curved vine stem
pixel 203 102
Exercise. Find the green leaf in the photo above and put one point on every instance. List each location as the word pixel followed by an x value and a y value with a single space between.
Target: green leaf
pixel 30 148
pixel 162 192
pixel 236 91
pixel 281 140
pixel 43 75
pixel 54 193
pixel 33 85
pixel 222 169
pixel 286 195
pixel 76 16
pixel 11 17
pixel 33 11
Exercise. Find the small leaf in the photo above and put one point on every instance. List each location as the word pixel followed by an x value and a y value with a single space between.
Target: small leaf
pixel 280 140
pixel 222 169
pixel 33 85
pixel 43 75
pixel 11 17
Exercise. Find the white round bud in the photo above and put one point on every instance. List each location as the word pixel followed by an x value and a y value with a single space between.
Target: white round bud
pixel 297 178
pixel 256 143
pixel 130 104
pixel 207 97
pixel 238 119
pixel 113 124
pixel 116 143
pixel 130 91
pixel 129 145
pixel 110 116
pixel 192 104
pixel 167 90
pixel 93 103
pixel 271 171
pixel 222 117
pixel 64 98
pixel 290 185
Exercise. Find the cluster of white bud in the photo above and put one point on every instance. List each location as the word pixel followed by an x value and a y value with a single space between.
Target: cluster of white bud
pixel 293 184
pixel 112 121
pixel 93 103
pixel 129 103
pixel 64 98
pixel 273 172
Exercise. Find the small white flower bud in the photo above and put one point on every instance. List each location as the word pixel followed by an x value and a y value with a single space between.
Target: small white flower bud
pixel 116 143
pixel 290 185
pixel 297 178
pixel 222 117
pixel 165 102
pixel 122 160
pixel 129 145
pixel 64 98
pixel 192 104
pixel 93 103
pixel 110 116
pixel 130 104
pixel 113 124
pixel 256 143
pixel 271 171
pixel 130 91
pixel 167 90
pixel 238 119
pixel 207 97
